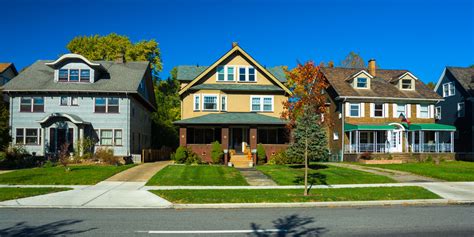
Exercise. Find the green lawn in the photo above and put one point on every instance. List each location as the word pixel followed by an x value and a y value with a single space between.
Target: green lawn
pixel 294 195
pixel 15 193
pixel 195 175
pixel 448 170
pixel 320 174
pixel 80 174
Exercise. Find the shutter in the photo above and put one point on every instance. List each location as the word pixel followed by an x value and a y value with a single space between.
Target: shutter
pixel 394 110
pixel 348 110
pixel 372 110
pixel 385 110
pixel 431 111
pixel 418 110
pixel 408 110
pixel 362 109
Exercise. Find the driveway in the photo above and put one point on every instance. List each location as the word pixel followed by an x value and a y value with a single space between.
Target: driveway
pixel 140 173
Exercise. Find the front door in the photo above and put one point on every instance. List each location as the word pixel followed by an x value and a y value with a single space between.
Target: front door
pixel 395 141
pixel 239 139
pixel 60 136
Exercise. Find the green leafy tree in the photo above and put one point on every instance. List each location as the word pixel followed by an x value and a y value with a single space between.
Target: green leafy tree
pixel 4 125
pixel 108 47
pixel 431 85
pixel 216 152
pixel 353 60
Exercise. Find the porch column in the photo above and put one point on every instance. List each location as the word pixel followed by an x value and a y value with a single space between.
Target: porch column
pixel 437 141
pixel 81 139
pixel 225 143
pixel 357 141
pixel 375 141
pixel 182 136
pixel 253 144
pixel 421 141
pixel 412 141
pixel 43 140
pixel 452 142
pixel 350 142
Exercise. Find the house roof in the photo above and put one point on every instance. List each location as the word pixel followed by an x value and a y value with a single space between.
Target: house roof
pixel 5 66
pixel 188 73
pixel 381 85
pixel 465 77
pixel 238 87
pixel 371 127
pixel 233 118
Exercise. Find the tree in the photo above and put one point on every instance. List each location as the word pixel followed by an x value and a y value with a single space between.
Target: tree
pixel 472 66
pixel 109 47
pixel 4 125
pixel 353 60
pixel 303 110
pixel 431 85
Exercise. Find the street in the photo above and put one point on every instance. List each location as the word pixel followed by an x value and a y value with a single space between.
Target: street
pixel 453 220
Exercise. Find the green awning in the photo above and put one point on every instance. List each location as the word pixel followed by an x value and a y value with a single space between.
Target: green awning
pixel 371 127
pixel 430 127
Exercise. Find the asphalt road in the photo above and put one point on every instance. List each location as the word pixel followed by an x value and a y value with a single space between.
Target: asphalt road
pixel 373 221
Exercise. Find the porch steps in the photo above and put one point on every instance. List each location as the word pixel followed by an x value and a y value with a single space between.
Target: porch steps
pixel 240 161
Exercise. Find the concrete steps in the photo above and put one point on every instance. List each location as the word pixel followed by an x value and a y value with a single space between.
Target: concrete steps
pixel 240 161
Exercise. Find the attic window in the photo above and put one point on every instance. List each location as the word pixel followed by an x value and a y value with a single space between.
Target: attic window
pixel 74 75
pixel 407 84
pixel 225 73
pixel 361 82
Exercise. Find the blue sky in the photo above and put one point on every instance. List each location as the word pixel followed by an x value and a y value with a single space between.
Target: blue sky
pixel 422 36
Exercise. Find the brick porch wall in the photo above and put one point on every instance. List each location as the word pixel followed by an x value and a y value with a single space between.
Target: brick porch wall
pixel 202 150
pixel 272 149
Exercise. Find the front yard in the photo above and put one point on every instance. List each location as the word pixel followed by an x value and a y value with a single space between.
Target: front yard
pixel 294 195
pixel 15 193
pixel 448 170
pixel 320 174
pixel 198 175
pixel 77 175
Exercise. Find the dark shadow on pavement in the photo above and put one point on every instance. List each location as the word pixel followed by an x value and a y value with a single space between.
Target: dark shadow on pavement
pixel 57 228
pixel 292 225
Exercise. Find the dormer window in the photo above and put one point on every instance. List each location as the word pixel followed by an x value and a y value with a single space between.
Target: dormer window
pixel 225 73
pixel 74 75
pixel 85 75
pixel 63 75
pixel 361 82
pixel 407 84
pixel 247 74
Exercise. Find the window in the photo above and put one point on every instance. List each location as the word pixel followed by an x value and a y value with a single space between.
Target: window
pixel 242 74
pixel 106 137
pixel 272 136
pixel 448 89
pixel 354 110
pixel 28 136
pixel 31 104
pixel 361 82
pixel 247 74
pixel 424 111
pixel 261 103
pixel 118 137
pixel 63 75
pixel 220 73
pixel 336 136
pixel 112 105
pixel 251 74
pixel 230 73
pixel 85 75
pixel 197 102
pixel 202 135
pixel 401 110
pixel 74 101
pixel 64 101
pixel 406 84
pixel 224 103
pixel 438 112
pixel 74 75
pixel 461 110
pixel 378 110
pixel 100 105
pixel 106 105
pixel 210 102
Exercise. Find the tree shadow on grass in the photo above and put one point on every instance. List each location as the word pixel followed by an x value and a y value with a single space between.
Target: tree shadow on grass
pixel 292 225
pixel 57 228
pixel 313 178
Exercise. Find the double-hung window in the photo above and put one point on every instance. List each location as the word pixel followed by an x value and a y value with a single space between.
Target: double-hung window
pixel 242 74
pixel 73 75
pixel 226 73
pixel 251 74
pixel 63 75
pixel 448 89
pixel 438 112
pixel 118 137
pixel 112 105
pixel 461 110
pixel 74 101
pixel 247 74
pixel 223 103
pixel 209 102
pixel 221 73
pixel 31 104
pixel 401 110
pixel 64 101
pixel 197 102
pixel 406 84
pixel 354 110
pixel 106 105
pixel 106 137
pixel 85 75
pixel 424 111
pixel 230 73
pixel 28 136
pixel 261 103
pixel 361 82
pixel 378 110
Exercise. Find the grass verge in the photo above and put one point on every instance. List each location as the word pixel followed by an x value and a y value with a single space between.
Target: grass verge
pixel 320 174
pixel 77 175
pixel 447 170
pixel 15 193
pixel 196 175
pixel 294 195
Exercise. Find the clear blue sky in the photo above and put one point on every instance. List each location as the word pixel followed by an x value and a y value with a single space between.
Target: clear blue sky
pixel 422 36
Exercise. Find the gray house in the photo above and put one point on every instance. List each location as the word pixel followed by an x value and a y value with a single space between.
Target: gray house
pixel 71 98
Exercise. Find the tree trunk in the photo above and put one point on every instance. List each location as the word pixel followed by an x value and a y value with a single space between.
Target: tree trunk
pixel 306 167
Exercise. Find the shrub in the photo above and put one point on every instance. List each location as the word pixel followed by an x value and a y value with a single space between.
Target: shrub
pixel 366 156
pixel 181 155
pixel 217 153
pixel 280 158
pixel 64 157
pixel 106 155
pixel 261 155
pixel 192 158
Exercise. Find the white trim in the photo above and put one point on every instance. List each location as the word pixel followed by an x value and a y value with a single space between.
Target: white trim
pixel 198 96
pixel 217 101
pixel 458 111
pixel 39 136
pixel 372 110
pixel 440 79
pixel 349 110
pixel 362 109
pixel 361 71
pixel 385 110
pixel 386 98
pixel 408 73
pixel 438 115
pixel 449 85
pixel 431 111
pixel 107 104
pixel 262 97
pixel 247 73
pixel 113 137
pixel 226 102
pixel 72 55
pixel 418 111
pixel 412 84
pixel 408 109
pixel 367 83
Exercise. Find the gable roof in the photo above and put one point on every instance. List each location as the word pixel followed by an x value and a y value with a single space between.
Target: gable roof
pixel 187 73
pixel 465 77
pixel 381 85
pixel 238 87
pixel 234 49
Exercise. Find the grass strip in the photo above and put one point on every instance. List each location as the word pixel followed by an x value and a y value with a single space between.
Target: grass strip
pixel 15 193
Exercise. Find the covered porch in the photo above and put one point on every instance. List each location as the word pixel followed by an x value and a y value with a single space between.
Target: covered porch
pixel 398 138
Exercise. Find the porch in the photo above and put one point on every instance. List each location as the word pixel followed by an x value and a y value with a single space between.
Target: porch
pixel 399 138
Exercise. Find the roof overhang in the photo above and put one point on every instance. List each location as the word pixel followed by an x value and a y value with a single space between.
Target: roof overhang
pixel 71 117
pixel 73 56
pixel 358 73
pixel 387 98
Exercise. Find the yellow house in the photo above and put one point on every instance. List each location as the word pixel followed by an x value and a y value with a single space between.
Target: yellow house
pixel 235 101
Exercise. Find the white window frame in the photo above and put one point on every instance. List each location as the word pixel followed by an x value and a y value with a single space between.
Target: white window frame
pixel 438 112
pixel 61 100
pixel 226 73
pixel 203 96
pixel 262 98
pixel 366 82
pixel 448 89
pixel 461 112
pixel 358 109
pixel 197 98
pixel 38 137
pixel 247 74
pixel 397 114
pixel 99 132
pixel 107 105
pixel 224 103
pixel 383 110
pixel 421 112
pixel 72 101
pixel 411 84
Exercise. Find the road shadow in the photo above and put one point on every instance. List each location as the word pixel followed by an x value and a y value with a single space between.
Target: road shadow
pixel 292 225
pixel 57 228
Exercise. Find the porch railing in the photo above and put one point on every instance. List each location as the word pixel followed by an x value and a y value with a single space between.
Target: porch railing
pixel 367 147
pixel 431 147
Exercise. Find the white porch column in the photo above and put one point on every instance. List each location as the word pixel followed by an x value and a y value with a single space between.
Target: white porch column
pixel 412 141
pixel 375 141
pixel 81 139
pixel 437 141
pixel 350 142
pixel 43 140
pixel 357 141
pixel 421 141
pixel 452 142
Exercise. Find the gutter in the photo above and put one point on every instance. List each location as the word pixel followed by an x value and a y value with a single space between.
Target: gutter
pixel 386 98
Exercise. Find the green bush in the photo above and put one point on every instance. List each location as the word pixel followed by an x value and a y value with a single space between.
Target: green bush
pixel 217 153
pixel 261 155
pixel 107 156
pixel 193 158
pixel 181 155
pixel 280 158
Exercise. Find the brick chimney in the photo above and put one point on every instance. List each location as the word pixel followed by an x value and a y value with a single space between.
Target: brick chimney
pixel 372 67
pixel 120 58
pixel 234 44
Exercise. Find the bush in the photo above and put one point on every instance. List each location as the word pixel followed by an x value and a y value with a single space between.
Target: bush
pixel 366 156
pixel 106 155
pixel 261 155
pixel 16 157
pixel 193 158
pixel 280 158
pixel 217 153
pixel 180 155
